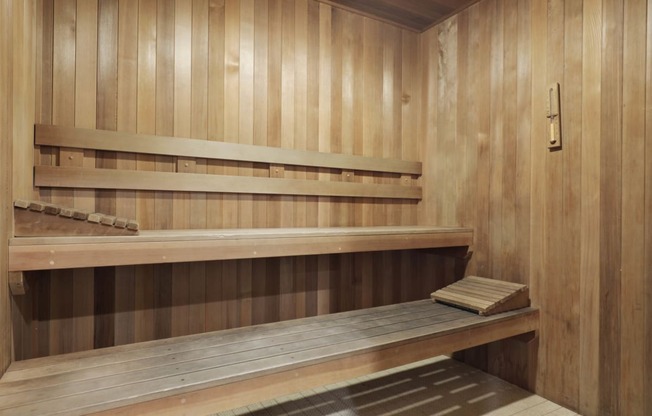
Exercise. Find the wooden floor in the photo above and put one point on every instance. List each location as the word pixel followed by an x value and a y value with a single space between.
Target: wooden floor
pixel 439 386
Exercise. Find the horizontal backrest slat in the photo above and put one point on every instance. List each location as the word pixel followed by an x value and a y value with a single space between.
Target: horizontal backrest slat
pixel 72 177
pixel 48 135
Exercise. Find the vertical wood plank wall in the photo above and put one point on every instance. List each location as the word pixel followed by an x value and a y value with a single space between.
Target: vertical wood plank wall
pixel 575 224
pixel 17 95
pixel 296 74
pixel 6 139
pixel 468 97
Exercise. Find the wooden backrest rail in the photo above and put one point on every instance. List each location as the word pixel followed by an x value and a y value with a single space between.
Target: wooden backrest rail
pixel 47 135
pixel 78 177
pixel 69 177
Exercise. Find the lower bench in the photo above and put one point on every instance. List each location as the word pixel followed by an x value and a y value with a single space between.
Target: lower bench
pixel 205 373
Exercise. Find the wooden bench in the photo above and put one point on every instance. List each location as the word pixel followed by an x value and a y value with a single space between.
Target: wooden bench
pixel 205 373
pixel 345 168
pixel 208 372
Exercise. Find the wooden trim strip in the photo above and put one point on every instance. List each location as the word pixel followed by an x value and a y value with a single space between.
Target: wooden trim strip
pixel 47 135
pixel 72 177
pixel 72 252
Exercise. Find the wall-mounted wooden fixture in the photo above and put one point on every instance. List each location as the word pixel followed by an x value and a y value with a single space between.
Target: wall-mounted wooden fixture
pixel 17 283
pixel 553 114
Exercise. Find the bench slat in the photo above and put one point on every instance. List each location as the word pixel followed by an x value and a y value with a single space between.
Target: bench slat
pixel 184 147
pixel 91 178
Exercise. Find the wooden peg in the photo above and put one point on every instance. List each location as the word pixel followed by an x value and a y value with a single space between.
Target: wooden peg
pixel 121 223
pixel 36 206
pixel 108 220
pixel 21 203
pixel 276 171
pixel 132 225
pixel 95 218
pixel 348 176
pixel 80 215
pixel 67 212
pixel 52 209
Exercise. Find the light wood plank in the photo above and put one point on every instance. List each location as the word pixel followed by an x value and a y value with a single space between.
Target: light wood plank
pixel 648 220
pixel 126 203
pixel 6 163
pixel 589 393
pixel 199 130
pixel 611 238
pixel 63 105
pixel 146 124
pixel 182 128
pixel 633 284
pixel 169 181
pixel 167 247
pixel 48 135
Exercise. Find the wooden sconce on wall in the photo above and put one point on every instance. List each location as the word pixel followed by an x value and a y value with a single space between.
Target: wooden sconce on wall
pixel 554 116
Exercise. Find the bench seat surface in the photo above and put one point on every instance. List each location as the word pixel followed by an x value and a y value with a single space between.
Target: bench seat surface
pixel 149 247
pixel 180 372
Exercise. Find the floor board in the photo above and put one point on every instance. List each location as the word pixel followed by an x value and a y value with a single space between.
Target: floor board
pixel 439 386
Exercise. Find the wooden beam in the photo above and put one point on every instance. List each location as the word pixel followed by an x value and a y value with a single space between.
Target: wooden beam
pixel 46 135
pixel 73 177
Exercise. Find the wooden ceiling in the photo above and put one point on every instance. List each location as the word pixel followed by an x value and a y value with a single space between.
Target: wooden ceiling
pixel 415 15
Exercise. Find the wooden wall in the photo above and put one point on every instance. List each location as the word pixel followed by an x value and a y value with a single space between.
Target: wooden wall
pixel 575 224
pixel 6 136
pixel 17 20
pixel 295 74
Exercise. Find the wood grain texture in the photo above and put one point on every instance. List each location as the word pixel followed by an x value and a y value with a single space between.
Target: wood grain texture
pixel 557 221
pixel 199 245
pixel 611 238
pixel 647 383
pixel 590 212
pixel 633 277
pixel 70 177
pixel 563 222
pixel 6 157
pixel 393 334
pixel 48 135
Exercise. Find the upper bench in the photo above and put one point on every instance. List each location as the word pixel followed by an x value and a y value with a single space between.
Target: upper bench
pixel 41 251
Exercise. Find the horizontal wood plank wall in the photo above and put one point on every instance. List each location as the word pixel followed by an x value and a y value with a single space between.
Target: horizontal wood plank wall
pixel 17 108
pixel 573 224
pixel 295 74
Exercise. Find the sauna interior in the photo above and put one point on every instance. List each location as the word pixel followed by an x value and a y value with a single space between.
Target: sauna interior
pixel 463 87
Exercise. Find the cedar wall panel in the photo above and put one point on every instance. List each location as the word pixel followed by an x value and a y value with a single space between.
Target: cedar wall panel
pixel 294 74
pixel 6 139
pixel 575 224
pixel 17 106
